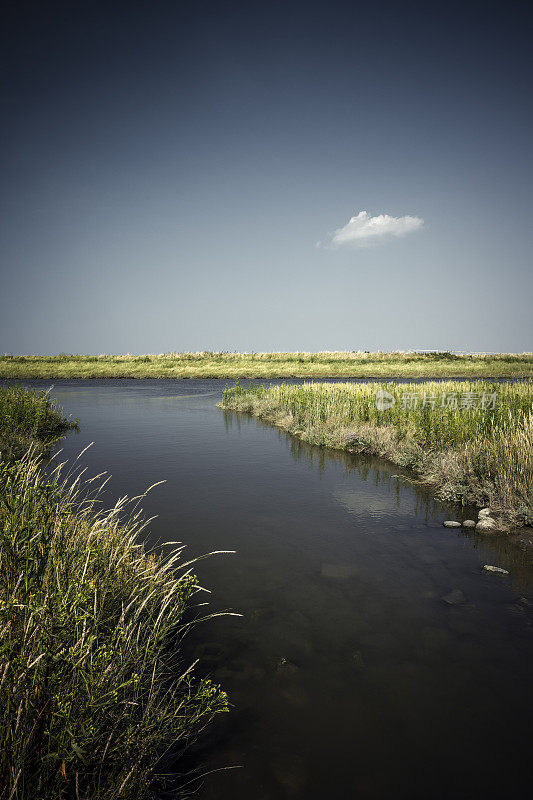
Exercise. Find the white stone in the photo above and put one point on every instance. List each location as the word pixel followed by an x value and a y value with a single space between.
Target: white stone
pixel 450 523
pixel 486 524
pixel 490 568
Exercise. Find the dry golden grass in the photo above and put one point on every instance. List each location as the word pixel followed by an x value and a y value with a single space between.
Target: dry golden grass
pixel 269 365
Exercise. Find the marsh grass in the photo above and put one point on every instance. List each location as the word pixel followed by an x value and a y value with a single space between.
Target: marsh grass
pixel 210 364
pixel 94 695
pixel 29 419
pixel 477 454
pixel 93 692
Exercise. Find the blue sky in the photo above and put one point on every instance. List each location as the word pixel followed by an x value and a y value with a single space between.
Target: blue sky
pixel 170 168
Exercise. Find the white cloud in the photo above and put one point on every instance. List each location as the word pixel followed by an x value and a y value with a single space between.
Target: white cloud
pixel 363 229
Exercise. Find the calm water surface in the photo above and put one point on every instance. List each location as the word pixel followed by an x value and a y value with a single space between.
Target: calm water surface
pixel 350 676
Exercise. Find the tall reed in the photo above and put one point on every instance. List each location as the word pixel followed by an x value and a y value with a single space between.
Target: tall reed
pixel 93 691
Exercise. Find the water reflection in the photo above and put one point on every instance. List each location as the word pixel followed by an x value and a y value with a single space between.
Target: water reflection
pixel 400 485
pixel 393 647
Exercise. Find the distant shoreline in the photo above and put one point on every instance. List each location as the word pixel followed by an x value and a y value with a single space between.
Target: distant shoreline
pixel 383 376
pixel 249 366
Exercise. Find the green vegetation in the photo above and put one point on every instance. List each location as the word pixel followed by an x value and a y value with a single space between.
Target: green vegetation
pixel 479 452
pixel 29 419
pixel 95 701
pixel 270 365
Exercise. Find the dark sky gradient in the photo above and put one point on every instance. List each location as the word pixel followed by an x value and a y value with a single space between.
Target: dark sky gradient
pixel 168 169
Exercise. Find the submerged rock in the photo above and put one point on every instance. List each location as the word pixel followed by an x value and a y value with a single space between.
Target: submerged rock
pixel 211 653
pixel 450 523
pixel 469 523
pixel 454 598
pixel 500 570
pixel 358 660
pixel 235 670
pixel 515 608
pixel 289 770
pixel 286 667
pixel 435 638
pixel 337 571
pixel 294 694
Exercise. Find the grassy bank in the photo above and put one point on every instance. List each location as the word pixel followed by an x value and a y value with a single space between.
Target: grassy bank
pixel 95 701
pixel 479 452
pixel 29 419
pixel 270 365
pixel 92 691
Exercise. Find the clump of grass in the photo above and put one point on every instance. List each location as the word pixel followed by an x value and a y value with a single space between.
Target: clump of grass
pixel 480 451
pixel 29 418
pixel 92 690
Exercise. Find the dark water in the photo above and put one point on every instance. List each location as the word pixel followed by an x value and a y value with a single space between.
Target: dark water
pixel 350 676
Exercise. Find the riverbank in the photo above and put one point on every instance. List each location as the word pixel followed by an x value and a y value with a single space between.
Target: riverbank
pixel 271 365
pixel 30 419
pixel 471 441
pixel 95 700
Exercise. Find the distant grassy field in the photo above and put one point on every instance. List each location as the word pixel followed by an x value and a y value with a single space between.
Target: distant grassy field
pixel 472 440
pixel 271 365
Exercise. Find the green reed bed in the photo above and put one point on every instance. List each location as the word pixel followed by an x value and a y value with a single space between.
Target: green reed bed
pixel 210 364
pixel 93 693
pixel 29 419
pixel 95 701
pixel 473 440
